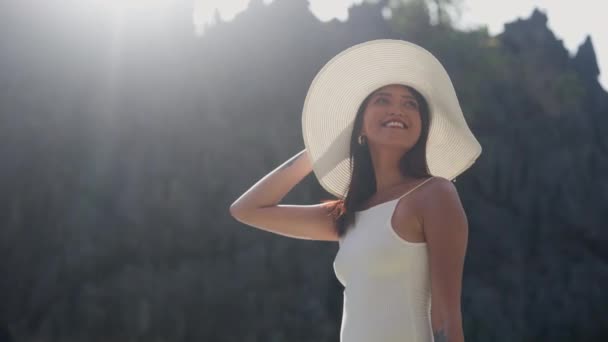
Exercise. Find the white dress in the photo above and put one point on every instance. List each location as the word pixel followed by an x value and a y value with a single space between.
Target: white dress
pixel 387 295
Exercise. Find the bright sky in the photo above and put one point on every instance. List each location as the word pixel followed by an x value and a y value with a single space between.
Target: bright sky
pixel 571 21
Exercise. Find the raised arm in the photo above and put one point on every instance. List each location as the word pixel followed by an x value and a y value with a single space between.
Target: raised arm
pixel 259 206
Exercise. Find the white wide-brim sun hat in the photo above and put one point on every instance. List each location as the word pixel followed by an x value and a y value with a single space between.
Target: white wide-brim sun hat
pixel 347 79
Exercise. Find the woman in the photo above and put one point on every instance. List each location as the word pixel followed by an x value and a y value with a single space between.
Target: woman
pixel 384 133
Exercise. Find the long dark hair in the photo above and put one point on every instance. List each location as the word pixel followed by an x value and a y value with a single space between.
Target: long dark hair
pixel 363 181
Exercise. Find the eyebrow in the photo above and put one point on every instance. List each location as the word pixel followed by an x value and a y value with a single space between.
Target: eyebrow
pixel 390 95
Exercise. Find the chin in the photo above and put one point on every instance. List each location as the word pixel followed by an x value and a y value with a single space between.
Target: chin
pixel 393 144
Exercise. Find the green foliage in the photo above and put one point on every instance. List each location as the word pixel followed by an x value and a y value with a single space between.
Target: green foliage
pixel 418 14
pixel 410 17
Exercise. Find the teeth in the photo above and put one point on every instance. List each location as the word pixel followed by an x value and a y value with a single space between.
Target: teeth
pixel 394 124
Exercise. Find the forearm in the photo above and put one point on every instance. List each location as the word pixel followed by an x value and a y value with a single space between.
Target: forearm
pixel 271 189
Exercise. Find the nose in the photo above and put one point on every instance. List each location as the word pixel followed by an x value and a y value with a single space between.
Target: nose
pixel 395 111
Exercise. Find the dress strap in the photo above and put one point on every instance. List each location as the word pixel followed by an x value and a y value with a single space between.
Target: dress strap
pixel 417 186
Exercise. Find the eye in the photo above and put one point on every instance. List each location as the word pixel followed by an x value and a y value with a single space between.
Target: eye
pixel 411 104
pixel 381 100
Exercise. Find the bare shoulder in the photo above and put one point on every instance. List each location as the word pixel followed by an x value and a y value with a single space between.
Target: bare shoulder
pixel 438 188
pixel 438 195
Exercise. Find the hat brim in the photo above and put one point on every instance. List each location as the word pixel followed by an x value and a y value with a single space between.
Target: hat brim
pixel 347 79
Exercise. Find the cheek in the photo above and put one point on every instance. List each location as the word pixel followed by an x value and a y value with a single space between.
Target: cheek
pixel 370 121
pixel 418 122
pixel 416 130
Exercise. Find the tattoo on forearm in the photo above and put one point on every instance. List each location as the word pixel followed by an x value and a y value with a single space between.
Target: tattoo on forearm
pixel 440 336
pixel 290 162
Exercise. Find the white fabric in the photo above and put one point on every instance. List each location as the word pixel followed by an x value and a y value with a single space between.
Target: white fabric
pixel 342 84
pixel 387 295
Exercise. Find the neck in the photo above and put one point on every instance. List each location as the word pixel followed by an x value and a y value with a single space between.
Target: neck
pixel 385 161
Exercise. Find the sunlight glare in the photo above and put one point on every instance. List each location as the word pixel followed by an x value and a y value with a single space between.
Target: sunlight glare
pixel 204 11
pixel 329 10
pixel 123 5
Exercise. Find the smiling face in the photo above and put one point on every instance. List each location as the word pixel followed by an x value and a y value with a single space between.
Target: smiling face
pixel 392 117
